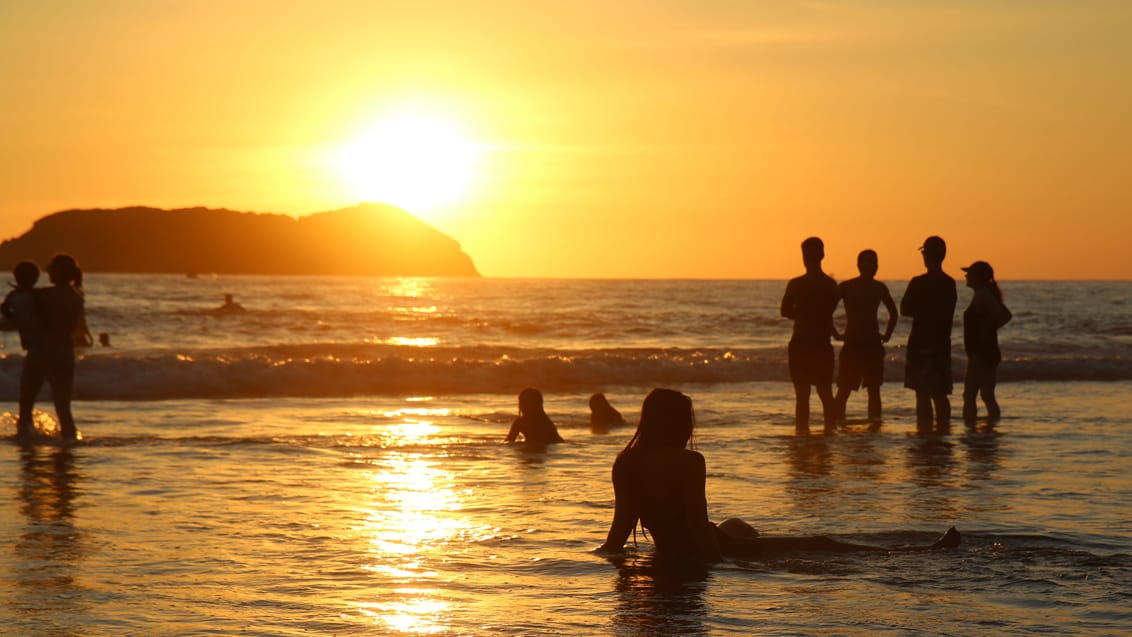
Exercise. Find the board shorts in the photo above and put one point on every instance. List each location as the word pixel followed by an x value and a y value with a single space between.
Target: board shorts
pixel 928 371
pixel 810 363
pixel 860 364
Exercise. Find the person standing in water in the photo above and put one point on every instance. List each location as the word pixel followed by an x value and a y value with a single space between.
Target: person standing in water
pixel 930 301
pixel 862 356
pixel 54 360
pixel 981 321
pixel 533 423
pixel 809 301
pixel 19 308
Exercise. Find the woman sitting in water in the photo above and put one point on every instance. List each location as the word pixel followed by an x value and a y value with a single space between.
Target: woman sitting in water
pixel 533 422
pixel 660 483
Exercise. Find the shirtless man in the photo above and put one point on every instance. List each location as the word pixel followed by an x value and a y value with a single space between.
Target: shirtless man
pixel 862 355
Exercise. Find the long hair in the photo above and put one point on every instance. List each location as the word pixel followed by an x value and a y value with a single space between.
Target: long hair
pixel 997 290
pixel 667 420
pixel 983 274
pixel 530 402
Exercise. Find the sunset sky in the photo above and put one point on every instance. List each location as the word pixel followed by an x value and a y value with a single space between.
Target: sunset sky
pixel 590 138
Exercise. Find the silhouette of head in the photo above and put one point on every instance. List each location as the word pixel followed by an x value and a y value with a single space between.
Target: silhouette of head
pixel 867 263
pixel 26 274
pixel 667 420
pixel 813 251
pixel 934 249
pixel 530 401
pixel 64 269
pixel 598 402
pixel 979 272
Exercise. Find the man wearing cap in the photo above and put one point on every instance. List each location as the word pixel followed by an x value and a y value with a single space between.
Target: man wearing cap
pixel 809 301
pixel 930 301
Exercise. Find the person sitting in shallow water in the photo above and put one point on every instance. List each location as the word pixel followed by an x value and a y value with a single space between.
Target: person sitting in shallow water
pixel 603 414
pixel 533 423
pixel 660 483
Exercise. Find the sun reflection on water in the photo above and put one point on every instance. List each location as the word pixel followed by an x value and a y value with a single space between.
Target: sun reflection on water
pixel 413 341
pixel 408 287
pixel 413 516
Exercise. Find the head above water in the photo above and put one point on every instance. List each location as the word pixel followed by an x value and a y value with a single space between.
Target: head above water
pixel 599 401
pixel 667 420
pixel 530 401
pixel 26 274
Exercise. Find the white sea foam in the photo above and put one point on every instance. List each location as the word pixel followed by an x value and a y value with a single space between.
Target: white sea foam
pixel 304 336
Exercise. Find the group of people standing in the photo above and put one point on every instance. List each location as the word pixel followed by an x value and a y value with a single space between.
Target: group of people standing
pixel 810 301
pixel 929 301
pixel 50 322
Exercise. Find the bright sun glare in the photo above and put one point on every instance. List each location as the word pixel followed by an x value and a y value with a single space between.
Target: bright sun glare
pixel 415 162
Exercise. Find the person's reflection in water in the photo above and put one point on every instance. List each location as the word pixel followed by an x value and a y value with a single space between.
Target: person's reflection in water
pixel 809 484
pixel 660 597
pixel 982 447
pixel 931 462
pixel 49 547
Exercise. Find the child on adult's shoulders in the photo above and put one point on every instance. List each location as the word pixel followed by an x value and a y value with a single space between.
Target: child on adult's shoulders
pixel 18 307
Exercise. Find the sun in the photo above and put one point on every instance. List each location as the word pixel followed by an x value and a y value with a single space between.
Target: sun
pixel 416 162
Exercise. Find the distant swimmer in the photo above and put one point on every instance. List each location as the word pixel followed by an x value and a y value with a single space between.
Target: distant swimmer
pixel 533 423
pixel 603 414
pixel 659 483
pixel 230 306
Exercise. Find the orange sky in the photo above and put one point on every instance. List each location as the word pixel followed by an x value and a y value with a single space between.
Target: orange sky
pixel 621 139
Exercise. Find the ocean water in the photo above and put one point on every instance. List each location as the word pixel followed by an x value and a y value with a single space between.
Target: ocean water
pixel 330 462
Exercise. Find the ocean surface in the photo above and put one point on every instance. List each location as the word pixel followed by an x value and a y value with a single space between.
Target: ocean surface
pixel 330 461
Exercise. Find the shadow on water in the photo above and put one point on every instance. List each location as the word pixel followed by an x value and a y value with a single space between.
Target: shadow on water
pixel 983 450
pixel 660 597
pixel 50 545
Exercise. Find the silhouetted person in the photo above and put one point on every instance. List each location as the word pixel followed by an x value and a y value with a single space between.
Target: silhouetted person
pixel 53 361
pixel 981 321
pixel 930 301
pixel 602 414
pixel 104 339
pixel 862 356
pixel 19 304
pixel 533 423
pixel 809 301
pixel 230 305
pixel 660 483
pixel 20 309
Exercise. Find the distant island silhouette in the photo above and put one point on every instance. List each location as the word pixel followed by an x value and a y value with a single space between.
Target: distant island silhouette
pixel 367 239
